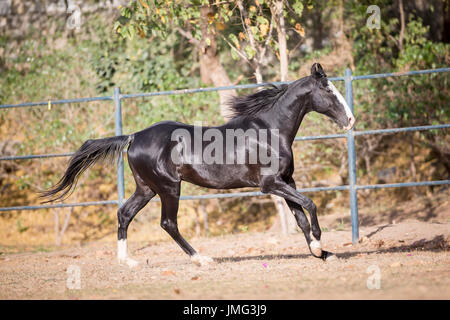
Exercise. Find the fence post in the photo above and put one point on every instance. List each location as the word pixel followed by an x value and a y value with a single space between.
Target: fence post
pixel 118 125
pixel 352 160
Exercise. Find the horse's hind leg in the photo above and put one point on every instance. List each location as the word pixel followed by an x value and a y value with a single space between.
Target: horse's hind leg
pixel 169 223
pixel 126 213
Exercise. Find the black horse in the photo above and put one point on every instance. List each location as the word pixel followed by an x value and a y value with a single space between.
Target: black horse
pixel 160 159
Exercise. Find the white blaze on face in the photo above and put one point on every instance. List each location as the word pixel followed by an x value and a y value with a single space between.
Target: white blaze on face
pixel 348 112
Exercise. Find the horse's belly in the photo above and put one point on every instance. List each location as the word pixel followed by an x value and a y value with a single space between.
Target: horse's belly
pixel 221 176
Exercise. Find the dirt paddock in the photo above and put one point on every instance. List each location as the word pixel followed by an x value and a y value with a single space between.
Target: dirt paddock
pixel 410 259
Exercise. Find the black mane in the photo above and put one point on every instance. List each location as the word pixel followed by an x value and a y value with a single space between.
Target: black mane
pixel 257 102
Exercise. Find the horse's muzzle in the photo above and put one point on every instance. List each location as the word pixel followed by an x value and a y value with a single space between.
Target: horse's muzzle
pixel 351 122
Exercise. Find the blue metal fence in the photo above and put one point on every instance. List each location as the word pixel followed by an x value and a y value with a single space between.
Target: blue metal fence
pixel 352 187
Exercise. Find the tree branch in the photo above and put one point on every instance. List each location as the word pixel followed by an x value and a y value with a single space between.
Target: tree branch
pixel 269 37
pixel 402 26
pixel 189 36
pixel 244 16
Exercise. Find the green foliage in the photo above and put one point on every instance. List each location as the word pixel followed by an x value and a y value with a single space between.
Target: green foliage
pixel 257 21
pixel 405 101
pixel 161 18
pixel 138 65
pixel 158 17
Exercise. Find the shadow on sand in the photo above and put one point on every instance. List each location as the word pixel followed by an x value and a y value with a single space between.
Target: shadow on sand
pixel 437 244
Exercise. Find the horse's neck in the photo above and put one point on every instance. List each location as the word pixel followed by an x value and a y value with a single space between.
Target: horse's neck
pixel 287 115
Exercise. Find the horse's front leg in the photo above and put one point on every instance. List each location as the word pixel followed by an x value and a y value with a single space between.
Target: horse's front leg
pixel 296 201
pixel 314 243
pixel 312 239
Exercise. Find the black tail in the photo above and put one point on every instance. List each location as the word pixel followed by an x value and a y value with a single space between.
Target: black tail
pixel 90 152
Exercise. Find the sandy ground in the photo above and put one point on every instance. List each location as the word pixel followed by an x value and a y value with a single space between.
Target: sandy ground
pixel 410 257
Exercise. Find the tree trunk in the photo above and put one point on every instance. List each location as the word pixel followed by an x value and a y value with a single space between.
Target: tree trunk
pixel 59 232
pixel 258 75
pixel 282 44
pixel 259 52
pixel 211 69
pixel 197 224
pixel 317 31
pixel 205 218
pixel 402 26
pixel 287 220
pixel 446 29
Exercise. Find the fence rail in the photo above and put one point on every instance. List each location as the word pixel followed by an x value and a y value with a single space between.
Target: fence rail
pixel 352 187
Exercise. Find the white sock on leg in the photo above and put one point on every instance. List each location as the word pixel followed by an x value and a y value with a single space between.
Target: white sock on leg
pixel 122 254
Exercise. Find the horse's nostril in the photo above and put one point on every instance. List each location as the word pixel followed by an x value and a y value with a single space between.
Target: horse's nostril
pixel 351 122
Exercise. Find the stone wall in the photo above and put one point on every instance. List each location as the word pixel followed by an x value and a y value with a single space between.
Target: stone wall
pixel 18 16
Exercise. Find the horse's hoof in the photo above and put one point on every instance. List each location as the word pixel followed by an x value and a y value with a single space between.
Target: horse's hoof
pixel 316 248
pixel 201 261
pixel 131 263
pixel 328 256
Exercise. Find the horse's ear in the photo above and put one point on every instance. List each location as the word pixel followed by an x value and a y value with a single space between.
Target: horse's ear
pixel 317 71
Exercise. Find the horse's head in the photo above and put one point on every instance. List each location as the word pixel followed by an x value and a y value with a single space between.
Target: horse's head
pixel 326 99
